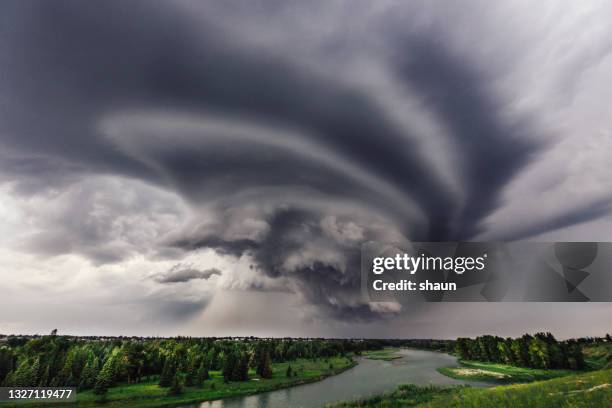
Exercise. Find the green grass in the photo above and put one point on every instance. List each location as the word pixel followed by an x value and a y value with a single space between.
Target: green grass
pixel 501 373
pixel 407 395
pixel 592 390
pixel 586 390
pixel 150 395
pixel 386 354
pixel 598 356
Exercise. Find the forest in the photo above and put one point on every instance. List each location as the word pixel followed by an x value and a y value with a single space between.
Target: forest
pixel 101 363
pixel 541 350
pixel 95 365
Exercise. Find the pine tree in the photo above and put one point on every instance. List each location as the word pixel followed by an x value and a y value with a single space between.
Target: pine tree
pixel 88 378
pixel 63 378
pixel 266 365
pixel 103 382
pixel 229 366
pixel 33 373
pixel 243 368
pixel 7 362
pixel 44 378
pixel 107 375
pixel 26 374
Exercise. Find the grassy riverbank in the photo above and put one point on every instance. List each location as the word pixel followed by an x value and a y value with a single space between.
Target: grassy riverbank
pixel 386 354
pixel 149 395
pixel 586 390
pixel 407 395
pixel 500 373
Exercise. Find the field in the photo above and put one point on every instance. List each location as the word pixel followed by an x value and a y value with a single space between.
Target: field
pixel 148 394
pixel 592 389
pixel 501 373
pixel 386 354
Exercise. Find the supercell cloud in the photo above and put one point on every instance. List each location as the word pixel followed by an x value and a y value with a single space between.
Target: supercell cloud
pixel 261 142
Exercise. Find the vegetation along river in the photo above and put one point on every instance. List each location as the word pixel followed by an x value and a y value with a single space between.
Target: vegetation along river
pixel 367 378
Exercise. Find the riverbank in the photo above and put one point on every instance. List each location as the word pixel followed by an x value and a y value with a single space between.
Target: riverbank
pixel 592 390
pixel 500 373
pixel 387 354
pixel 149 395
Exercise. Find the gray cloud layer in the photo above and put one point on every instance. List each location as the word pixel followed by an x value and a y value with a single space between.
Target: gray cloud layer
pixel 184 273
pixel 273 121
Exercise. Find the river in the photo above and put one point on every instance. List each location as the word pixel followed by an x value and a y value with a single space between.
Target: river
pixel 369 377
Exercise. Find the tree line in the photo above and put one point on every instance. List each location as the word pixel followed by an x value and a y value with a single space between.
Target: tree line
pixel 541 350
pixel 99 364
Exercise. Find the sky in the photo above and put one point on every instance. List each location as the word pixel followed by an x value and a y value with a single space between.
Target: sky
pixel 212 168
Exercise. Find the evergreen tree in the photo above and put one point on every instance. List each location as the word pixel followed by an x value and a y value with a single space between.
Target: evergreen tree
pixel 462 348
pixel 229 365
pixel 103 382
pixel 44 378
pixel 266 365
pixel 7 362
pixel 90 372
pixel 105 377
pixel 243 368
pixel 134 361
pixel 26 374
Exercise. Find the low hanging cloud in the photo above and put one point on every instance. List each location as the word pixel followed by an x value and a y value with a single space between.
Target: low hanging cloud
pixel 271 136
pixel 184 273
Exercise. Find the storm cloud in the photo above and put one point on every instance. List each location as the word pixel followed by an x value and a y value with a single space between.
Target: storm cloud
pixel 283 135
pixel 184 273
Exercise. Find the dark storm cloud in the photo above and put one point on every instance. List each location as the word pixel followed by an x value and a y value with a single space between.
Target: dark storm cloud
pixel 179 98
pixel 491 150
pixel 184 273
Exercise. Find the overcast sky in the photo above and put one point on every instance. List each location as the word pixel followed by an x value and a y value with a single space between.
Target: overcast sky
pixel 211 168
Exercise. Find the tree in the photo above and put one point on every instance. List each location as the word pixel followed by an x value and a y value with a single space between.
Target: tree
pixel 107 375
pixel 229 366
pixel 90 372
pixel 243 367
pixel 192 366
pixel 7 362
pixel 168 372
pixel 202 375
pixel 266 365
pixel 505 351
pixel 539 353
pixel 289 372
pixel 176 385
pixel 520 350
pixel 134 361
pixel 462 348
pixel 104 381
pixel 26 374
